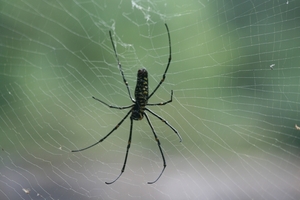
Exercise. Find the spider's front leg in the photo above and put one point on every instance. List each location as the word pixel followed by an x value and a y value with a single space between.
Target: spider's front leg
pixel 128 147
pixel 101 140
pixel 158 144
pixel 167 123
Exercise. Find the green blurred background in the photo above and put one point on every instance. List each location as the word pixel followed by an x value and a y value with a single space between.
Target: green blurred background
pixel 234 73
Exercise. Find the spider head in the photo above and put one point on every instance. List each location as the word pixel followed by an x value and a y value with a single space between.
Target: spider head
pixel 137 113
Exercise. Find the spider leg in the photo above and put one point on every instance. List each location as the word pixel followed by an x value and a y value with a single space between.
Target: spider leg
pixel 158 143
pixel 120 68
pixel 167 123
pixel 117 126
pixel 161 103
pixel 128 146
pixel 169 61
pixel 117 107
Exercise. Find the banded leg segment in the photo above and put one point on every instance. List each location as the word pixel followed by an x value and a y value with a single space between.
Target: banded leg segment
pixel 158 144
pixel 167 123
pixel 128 147
pixel 117 126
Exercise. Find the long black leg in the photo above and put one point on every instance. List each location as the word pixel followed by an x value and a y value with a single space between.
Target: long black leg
pixel 180 139
pixel 162 103
pixel 128 146
pixel 169 61
pixel 117 107
pixel 158 143
pixel 120 68
pixel 117 126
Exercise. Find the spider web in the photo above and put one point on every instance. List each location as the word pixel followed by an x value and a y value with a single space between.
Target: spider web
pixel 235 75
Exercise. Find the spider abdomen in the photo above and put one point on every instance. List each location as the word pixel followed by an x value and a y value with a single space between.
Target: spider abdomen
pixel 140 94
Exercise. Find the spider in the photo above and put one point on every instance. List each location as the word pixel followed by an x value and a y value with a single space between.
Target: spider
pixel 138 108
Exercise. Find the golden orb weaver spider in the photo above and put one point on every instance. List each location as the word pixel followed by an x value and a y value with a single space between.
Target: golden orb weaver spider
pixel 138 107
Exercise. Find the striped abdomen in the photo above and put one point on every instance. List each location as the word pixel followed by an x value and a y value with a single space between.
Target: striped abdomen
pixel 141 94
